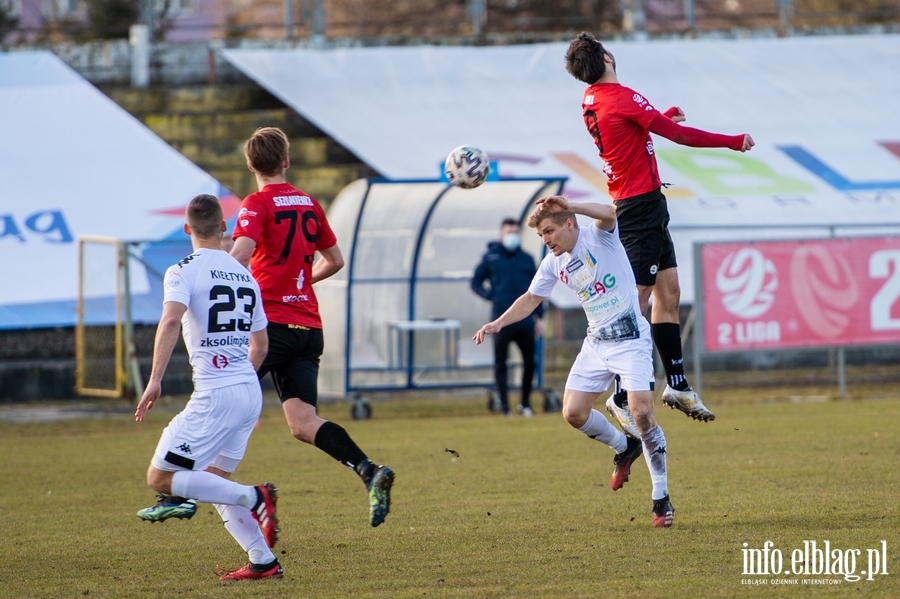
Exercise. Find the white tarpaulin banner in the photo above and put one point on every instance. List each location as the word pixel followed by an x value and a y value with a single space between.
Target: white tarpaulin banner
pixel 823 112
pixel 74 163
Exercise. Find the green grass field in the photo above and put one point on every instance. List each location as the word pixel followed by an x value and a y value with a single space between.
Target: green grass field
pixel 524 511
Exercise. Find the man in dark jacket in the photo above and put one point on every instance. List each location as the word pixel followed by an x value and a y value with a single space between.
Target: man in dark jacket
pixel 508 271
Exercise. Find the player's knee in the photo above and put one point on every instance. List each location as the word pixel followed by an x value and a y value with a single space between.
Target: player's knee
pixel 301 432
pixel 644 418
pixel 304 429
pixel 301 419
pixel 159 481
pixel 667 291
pixel 574 416
pixel 670 301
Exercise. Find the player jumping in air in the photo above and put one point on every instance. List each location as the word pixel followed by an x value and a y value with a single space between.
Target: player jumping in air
pixel 592 262
pixel 620 120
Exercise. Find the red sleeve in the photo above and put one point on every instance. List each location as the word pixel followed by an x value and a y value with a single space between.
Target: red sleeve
pixel 670 112
pixel 635 107
pixel 251 220
pixel 326 237
pixel 696 138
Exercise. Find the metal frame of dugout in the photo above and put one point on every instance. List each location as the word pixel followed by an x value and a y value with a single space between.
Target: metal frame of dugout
pixel 401 313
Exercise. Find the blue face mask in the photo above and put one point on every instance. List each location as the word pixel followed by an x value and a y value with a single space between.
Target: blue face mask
pixel 511 241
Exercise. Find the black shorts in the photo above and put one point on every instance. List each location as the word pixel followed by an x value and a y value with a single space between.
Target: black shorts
pixel 644 230
pixel 293 360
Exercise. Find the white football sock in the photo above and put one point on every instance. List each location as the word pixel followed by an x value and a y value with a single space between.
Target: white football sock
pixel 655 455
pixel 211 488
pixel 599 428
pixel 246 531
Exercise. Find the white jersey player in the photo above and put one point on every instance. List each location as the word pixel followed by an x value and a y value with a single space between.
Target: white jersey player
pixel 591 261
pixel 216 301
pixel 224 307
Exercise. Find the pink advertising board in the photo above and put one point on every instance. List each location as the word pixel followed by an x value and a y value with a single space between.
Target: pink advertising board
pixel 801 293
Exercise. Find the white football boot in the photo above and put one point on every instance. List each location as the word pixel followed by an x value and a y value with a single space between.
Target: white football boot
pixel 688 402
pixel 623 417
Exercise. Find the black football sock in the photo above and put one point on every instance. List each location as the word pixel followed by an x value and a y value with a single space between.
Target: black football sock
pixel 667 337
pixel 261 568
pixel 334 440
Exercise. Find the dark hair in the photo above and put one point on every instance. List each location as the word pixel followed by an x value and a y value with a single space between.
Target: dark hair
pixel 266 150
pixel 509 221
pixel 584 58
pixel 204 216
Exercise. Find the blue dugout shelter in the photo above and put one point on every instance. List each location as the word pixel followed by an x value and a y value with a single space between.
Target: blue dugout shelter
pixel 401 314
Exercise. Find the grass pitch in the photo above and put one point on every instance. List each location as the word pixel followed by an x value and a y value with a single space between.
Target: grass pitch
pixel 524 511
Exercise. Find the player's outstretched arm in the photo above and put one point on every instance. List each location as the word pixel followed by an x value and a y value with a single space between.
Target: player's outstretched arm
pixel 676 114
pixel 697 138
pixel 522 307
pixel 166 338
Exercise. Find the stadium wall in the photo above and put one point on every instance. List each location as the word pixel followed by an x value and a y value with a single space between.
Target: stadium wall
pixel 198 63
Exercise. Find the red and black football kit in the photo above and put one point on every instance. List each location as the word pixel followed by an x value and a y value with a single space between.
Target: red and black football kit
pixel 620 120
pixel 288 227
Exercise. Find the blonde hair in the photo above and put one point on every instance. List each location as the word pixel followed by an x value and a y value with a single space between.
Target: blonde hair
pixel 543 212
pixel 266 150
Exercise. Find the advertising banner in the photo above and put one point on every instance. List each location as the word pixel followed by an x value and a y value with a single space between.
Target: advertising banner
pixel 74 163
pixel 801 293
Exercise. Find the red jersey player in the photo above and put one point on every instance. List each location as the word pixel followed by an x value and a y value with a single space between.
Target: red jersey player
pixel 279 231
pixel 620 120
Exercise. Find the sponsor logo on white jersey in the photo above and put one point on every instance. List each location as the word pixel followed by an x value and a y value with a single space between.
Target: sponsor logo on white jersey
pixel 574 265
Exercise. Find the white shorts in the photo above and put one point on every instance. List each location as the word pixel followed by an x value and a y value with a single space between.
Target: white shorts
pixel 599 362
pixel 212 430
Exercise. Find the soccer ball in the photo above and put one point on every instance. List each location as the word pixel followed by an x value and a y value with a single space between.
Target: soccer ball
pixel 467 167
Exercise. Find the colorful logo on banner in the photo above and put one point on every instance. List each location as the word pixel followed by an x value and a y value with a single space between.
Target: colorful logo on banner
pixel 726 173
pixel 716 171
pixel 49 226
pixel 747 281
pixel 782 294
pixel 231 204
